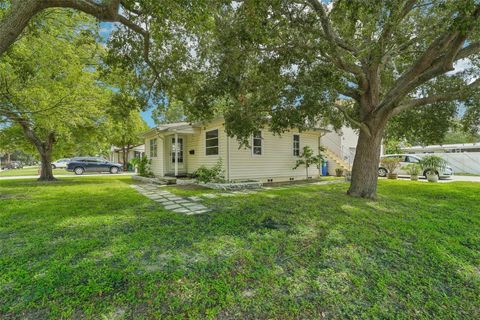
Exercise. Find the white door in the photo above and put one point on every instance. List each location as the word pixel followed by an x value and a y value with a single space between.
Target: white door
pixel 173 148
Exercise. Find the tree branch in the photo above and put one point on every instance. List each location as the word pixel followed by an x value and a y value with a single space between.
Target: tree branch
pixel 331 35
pixel 437 59
pixel 336 43
pixel 22 11
pixel 460 94
pixel 362 126
pixel 469 50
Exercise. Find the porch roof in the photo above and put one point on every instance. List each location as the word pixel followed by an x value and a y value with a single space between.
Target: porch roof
pixel 178 127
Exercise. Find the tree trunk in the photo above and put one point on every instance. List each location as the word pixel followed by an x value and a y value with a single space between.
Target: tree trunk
pixel 15 21
pixel 365 164
pixel 125 157
pixel 46 171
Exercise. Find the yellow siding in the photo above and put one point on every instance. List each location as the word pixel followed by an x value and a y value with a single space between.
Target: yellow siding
pixel 156 164
pixel 275 162
pixel 196 142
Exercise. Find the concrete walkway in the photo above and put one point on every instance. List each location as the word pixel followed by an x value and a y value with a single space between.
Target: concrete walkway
pixel 170 201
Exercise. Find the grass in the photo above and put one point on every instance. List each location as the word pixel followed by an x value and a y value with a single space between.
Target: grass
pixel 467 174
pixel 94 248
pixel 30 172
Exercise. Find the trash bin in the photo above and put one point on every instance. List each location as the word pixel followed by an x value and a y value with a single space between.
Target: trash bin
pixel 324 167
pixel 130 167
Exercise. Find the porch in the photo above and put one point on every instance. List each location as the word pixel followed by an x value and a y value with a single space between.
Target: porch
pixel 174 143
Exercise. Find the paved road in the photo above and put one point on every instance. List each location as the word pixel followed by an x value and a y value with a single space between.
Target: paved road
pixel 70 176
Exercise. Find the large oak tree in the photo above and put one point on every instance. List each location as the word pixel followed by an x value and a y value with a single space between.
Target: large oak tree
pixel 292 63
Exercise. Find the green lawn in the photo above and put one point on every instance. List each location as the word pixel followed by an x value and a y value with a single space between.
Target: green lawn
pixel 94 248
pixel 29 172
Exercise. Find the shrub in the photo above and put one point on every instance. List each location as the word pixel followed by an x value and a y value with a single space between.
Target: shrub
pixel 391 164
pixel 143 166
pixel 214 174
pixel 307 158
pixel 433 164
pixel 339 172
pixel 412 169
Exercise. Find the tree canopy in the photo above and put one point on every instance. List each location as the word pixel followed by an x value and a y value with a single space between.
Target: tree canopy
pixel 368 63
pixel 52 93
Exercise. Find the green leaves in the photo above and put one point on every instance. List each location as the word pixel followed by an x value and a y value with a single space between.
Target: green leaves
pixel 55 88
pixel 307 158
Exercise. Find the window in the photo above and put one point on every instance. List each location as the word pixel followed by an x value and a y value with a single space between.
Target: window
pixel 180 150
pixel 153 148
pixel 211 142
pixel 412 159
pixel 257 143
pixel 296 145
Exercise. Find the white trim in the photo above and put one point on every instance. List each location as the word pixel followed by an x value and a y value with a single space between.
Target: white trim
pixel 176 153
pixel 218 142
pixel 253 144
pixel 155 149
pixel 293 144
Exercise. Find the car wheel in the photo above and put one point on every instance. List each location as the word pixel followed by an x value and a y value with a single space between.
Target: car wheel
pixel 114 170
pixel 79 171
pixel 382 172
pixel 53 167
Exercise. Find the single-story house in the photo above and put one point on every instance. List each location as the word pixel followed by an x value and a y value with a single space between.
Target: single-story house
pixel 116 153
pixel 269 159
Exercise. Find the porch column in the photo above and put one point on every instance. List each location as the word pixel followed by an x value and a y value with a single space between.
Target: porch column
pixel 176 154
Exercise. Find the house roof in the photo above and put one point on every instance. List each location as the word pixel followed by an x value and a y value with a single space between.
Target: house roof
pixel 172 127
pixel 189 126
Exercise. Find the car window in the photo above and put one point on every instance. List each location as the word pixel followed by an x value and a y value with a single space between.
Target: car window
pixel 412 159
pixel 401 158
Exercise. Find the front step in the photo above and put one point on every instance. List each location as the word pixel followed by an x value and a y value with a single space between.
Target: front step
pixel 168 180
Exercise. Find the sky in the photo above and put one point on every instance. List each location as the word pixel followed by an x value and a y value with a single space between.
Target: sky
pixel 105 31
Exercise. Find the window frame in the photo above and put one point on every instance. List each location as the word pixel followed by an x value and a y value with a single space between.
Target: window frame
pixel 217 146
pixel 253 143
pixel 296 149
pixel 153 148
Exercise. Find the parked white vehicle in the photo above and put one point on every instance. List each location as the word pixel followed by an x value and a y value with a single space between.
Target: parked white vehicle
pixel 406 159
pixel 60 163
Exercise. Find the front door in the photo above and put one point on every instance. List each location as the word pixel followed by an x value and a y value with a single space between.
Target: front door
pixel 181 158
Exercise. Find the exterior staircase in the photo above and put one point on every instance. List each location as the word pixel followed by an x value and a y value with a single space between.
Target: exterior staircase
pixel 335 161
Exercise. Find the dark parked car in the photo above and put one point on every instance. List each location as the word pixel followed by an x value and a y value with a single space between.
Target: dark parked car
pixel 12 165
pixel 92 164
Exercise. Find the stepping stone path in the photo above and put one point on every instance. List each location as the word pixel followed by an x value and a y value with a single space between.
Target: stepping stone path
pixel 170 201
